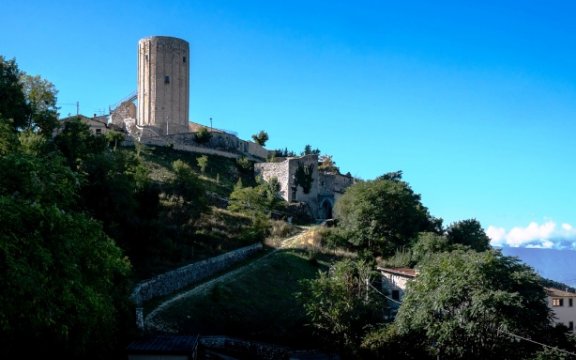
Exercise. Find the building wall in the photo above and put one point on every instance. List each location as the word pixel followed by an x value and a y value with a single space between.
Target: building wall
pixel 163 84
pixel 324 187
pixel 278 170
pixel 565 313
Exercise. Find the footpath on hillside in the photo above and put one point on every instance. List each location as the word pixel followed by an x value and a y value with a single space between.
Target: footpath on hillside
pixel 153 321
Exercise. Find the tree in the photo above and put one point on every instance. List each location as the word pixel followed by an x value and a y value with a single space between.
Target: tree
pixel 309 151
pixel 469 233
pixel 466 304
pixel 260 138
pixel 65 283
pixel 327 164
pixel 13 107
pixel 114 137
pixel 341 305
pixel 202 162
pixel 258 201
pixel 40 96
pixel 203 135
pixel 383 215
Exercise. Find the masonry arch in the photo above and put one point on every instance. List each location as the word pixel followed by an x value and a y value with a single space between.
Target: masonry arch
pixel 326 209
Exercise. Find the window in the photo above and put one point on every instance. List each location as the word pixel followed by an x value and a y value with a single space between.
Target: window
pixel 98 131
pixel 557 302
pixel 396 295
pixel 570 302
pixel 571 325
pixel 166 79
pixel 184 59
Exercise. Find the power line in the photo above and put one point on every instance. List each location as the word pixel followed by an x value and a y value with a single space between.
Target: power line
pixel 499 330
pixel 381 293
pixel 536 342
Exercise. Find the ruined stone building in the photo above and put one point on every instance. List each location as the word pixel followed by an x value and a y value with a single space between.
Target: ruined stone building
pixel 158 114
pixel 301 181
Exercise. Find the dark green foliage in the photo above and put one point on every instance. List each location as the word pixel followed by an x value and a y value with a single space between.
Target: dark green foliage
pixel 13 107
pixel 303 177
pixel 383 342
pixel 64 282
pixel 383 215
pixel 341 305
pixel 76 142
pixel 40 96
pixel 469 233
pixel 261 138
pixel 203 135
pixel 427 245
pixel 464 302
pixel 309 151
pixel 284 153
pixel 114 138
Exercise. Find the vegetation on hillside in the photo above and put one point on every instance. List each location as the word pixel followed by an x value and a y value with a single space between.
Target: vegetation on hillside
pixel 83 218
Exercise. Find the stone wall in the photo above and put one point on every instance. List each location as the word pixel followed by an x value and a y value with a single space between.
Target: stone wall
pixel 174 280
pixel 324 187
pixel 222 144
pixel 278 170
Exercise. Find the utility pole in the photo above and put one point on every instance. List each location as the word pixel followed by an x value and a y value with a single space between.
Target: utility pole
pixel 210 124
pixel 77 108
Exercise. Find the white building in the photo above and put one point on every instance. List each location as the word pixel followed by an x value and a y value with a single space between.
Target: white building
pixel 563 306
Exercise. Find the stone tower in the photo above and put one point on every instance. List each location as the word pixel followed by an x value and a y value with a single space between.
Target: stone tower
pixel 163 84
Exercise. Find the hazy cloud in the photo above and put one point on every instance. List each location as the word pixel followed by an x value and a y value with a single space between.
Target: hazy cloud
pixel 548 235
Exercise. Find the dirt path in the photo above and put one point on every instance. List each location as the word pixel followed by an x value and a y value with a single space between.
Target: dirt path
pixel 153 322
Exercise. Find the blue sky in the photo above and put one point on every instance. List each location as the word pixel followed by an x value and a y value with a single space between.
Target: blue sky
pixel 474 103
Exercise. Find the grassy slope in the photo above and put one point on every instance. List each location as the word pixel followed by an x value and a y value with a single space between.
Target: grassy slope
pixel 258 304
pixel 217 231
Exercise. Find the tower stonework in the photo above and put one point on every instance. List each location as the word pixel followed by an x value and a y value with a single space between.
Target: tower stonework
pixel 163 84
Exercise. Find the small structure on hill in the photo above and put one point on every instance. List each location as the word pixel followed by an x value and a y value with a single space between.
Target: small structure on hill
pixel 301 181
pixel 394 282
pixel 98 125
pixel 562 304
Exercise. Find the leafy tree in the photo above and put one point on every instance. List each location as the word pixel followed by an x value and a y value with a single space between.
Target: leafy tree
pixel 341 305
pixel 203 135
pixel 76 142
pixel 465 303
pixel 309 151
pixel 327 164
pixel 260 138
pixel 13 107
pixel 383 215
pixel 428 244
pixel 260 200
pixel 202 162
pixel 64 283
pixel 188 186
pixel 469 233
pixel 40 96
pixel 114 137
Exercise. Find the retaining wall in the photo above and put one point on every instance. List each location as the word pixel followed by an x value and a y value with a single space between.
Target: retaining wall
pixel 174 280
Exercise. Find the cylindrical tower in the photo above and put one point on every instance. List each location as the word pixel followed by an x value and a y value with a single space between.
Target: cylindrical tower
pixel 163 84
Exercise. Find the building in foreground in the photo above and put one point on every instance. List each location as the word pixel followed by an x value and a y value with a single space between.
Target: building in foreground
pixel 562 304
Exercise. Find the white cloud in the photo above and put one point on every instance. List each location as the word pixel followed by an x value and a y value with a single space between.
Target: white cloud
pixel 547 235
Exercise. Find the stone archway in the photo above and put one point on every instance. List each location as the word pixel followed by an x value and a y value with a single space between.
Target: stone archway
pixel 326 209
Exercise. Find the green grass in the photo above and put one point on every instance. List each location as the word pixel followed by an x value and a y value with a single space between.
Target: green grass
pixel 258 304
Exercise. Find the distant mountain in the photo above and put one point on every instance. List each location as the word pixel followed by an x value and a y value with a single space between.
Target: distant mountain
pixel 558 265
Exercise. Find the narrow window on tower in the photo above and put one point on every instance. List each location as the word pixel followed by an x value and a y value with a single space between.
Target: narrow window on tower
pixel 166 79
pixel 184 59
